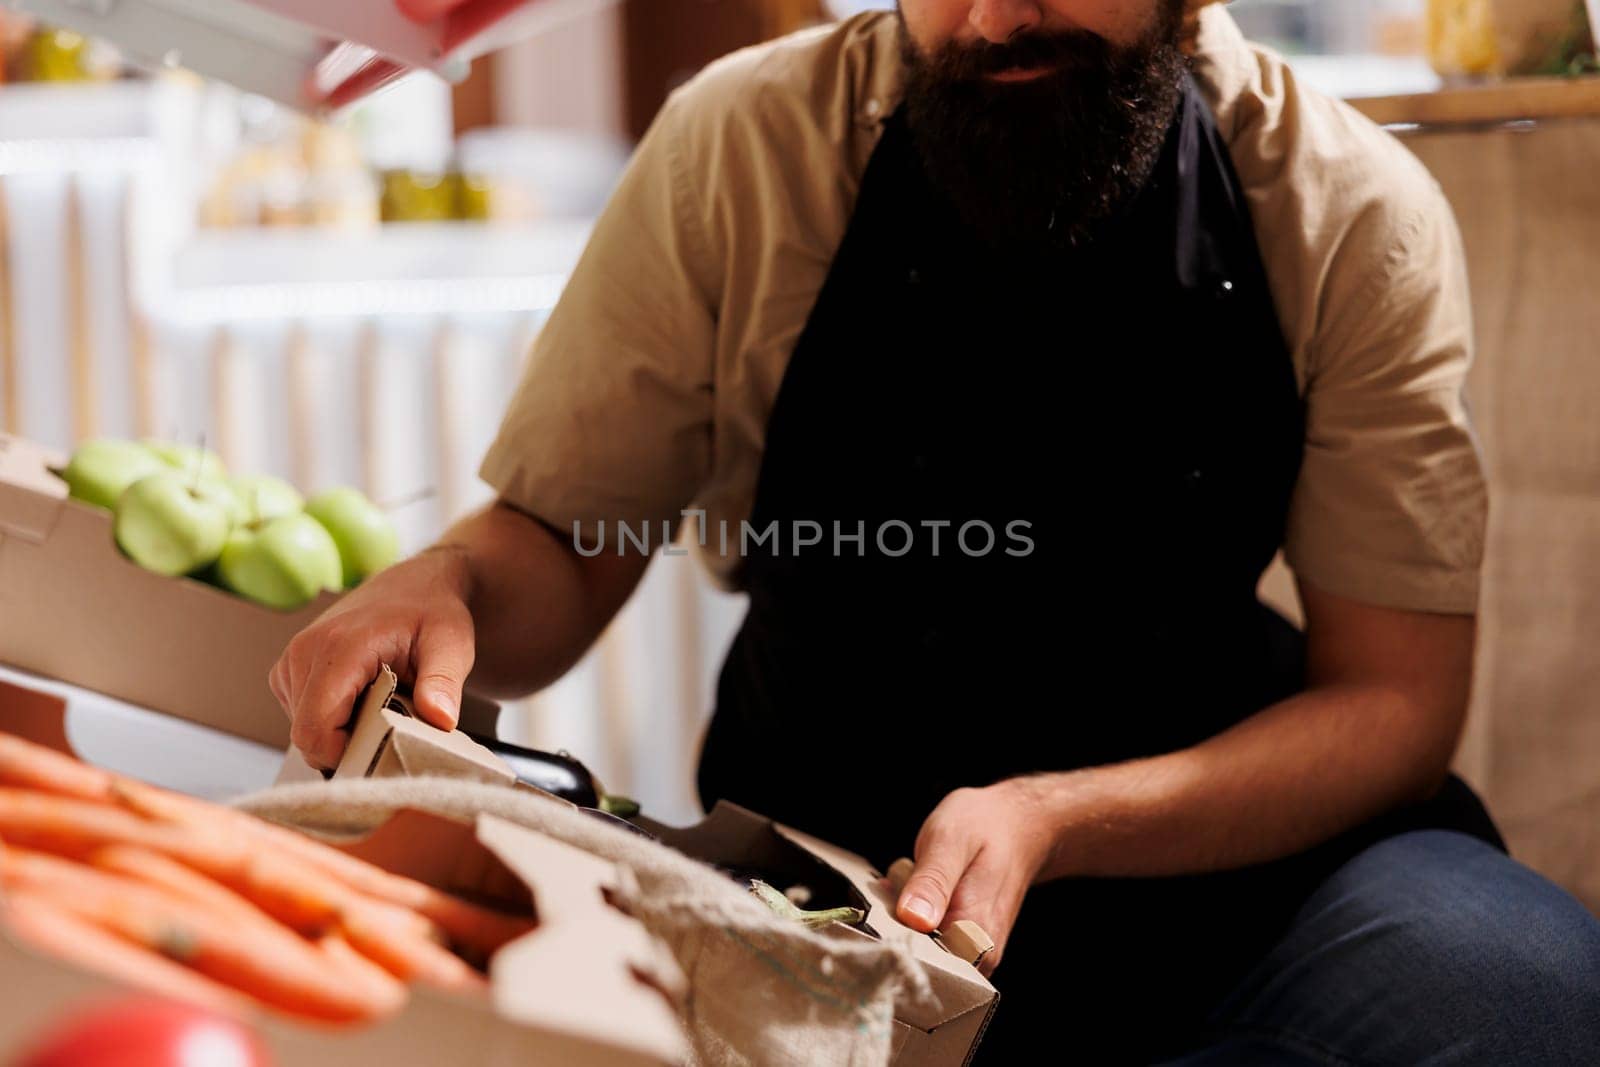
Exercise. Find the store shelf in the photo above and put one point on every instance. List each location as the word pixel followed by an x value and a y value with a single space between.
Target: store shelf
pixel 409 268
pixel 69 127
pixel 1512 100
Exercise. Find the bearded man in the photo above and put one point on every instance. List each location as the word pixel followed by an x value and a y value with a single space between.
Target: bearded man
pixel 995 348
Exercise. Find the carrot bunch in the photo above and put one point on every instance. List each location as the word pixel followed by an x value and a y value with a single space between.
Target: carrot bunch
pixel 200 902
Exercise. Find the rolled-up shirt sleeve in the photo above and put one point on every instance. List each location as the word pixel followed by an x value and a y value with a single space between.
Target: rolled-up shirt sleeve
pixel 611 419
pixel 1391 506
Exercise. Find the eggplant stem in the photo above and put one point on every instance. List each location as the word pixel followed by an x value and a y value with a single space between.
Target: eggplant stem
pixel 782 905
pixel 621 807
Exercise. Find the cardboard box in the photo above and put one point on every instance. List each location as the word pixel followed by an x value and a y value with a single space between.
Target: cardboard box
pixel 173 753
pixel 73 607
pixel 942 1036
pixel 386 743
pixel 589 987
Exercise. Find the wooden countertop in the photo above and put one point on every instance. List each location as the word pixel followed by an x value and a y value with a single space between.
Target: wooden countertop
pixel 1512 100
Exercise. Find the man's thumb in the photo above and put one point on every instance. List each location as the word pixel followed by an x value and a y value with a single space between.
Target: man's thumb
pixel 444 659
pixel 927 894
pixel 436 704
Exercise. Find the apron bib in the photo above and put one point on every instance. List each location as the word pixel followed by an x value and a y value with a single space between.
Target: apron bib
pixel 1043 492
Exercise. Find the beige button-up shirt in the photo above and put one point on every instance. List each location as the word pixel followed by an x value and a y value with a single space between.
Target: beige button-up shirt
pixel 649 389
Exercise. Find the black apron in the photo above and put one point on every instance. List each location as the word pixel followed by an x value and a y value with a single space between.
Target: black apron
pixel 1015 512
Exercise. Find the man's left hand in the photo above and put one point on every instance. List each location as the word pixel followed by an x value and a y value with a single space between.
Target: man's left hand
pixel 976 857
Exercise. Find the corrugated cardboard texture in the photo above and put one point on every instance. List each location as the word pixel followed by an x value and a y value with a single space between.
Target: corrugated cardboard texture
pixel 387 742
pixel 1529 206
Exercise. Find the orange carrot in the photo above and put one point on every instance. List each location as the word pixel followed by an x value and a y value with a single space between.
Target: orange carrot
pixel 301 882
pixel 473 928
pixel 76 827
pixel 289 890
pixel 48 928
pixel 381 986
pixel 406 956
pixel 23 763
pixel 178 879
pixel 270 964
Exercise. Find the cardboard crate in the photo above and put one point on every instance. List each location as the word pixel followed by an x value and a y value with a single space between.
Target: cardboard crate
pixel 387 741
pixel 588 987
pixel 173 753
pixel 73 607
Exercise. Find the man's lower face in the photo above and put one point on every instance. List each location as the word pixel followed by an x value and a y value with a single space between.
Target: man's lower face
pixel 1037 140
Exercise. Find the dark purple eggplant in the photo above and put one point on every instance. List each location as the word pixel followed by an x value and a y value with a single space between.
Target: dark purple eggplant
pixel 560 774
pixel 554 772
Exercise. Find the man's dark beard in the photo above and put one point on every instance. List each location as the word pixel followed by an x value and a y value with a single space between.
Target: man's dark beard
pixel 1041 163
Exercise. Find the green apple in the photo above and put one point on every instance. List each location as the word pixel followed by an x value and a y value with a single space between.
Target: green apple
pixel 229 496
pixel 187 457
pixel 168 525
pixel 100 470
pixel 266 497
pixel 282 563
pixel 367 540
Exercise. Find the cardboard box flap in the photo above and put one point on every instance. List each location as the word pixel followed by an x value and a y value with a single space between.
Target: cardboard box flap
pixel 738 839
pixel 586 965
pixel 455 860
pixel 579 989
pixel 387 741
pixel 575 894
pixel 30 496
pixel 958 985
pixel 35 716
pixel 733 836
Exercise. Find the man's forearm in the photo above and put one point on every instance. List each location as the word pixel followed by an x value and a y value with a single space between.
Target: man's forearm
pixel 536 604
pixel 1284 780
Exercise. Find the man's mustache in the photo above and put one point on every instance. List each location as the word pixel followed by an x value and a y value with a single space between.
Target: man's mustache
pixel 1060 50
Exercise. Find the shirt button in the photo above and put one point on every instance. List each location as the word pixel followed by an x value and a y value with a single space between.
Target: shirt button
pixel 1194 478
pixel 874 108
pixel 913 276
pixel 1224 289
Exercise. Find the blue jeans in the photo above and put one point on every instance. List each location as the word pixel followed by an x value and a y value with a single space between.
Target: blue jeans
pixel 1426 948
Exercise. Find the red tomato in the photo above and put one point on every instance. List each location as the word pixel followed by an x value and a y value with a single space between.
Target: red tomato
pixel 143 1032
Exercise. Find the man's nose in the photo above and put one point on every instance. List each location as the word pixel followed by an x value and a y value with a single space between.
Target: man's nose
pixel 997 21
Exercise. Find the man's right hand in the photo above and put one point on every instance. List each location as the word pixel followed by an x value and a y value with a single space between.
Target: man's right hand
pixel 412 616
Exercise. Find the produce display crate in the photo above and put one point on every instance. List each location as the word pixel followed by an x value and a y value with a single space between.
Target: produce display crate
pixel 176 754
pixel 386 742
pixel 589 986
pixel 74 608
